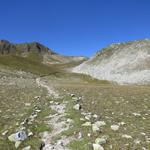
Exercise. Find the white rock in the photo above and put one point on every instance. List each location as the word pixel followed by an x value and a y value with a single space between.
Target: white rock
pixel 136 141
pixel 136 114
pixel 100 123
pixel 30 134
pixel 27 148
pixel 38 110
pixel 88 117
pixel 127 136
pixel 17 144
pixel 95 116
pixel 27 104
pixel 82 119
pixel 97 147
pixel 122 123
pixel 77 107
pixel 114 127
pixel 72 95
pixel 87 124
pixel 5 132
pixel 95 128
pixel 79 135
pixel 101 141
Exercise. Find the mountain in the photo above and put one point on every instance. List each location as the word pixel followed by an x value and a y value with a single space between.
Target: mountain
pixel 37 52
pixel 125 63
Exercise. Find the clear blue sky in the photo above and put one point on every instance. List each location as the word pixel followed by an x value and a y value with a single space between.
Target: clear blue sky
pixel 74 27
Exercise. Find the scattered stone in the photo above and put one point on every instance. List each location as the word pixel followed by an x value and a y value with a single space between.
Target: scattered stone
pixel 89 135
pixel 97 147
pixel 142 133
pixel 95 128
pixel 37 97
pixel 27 148
pixel 136 114
pixel 137 141
pixel 72 95
pixel 101 140
pixel 17 144
pixel 100 123
pixel 114 127
pixel 122 123
pixel 5 132
pixel 79 135
pixel 127 136
pixel 88 117
pixel 70 121
pixel 82 119
pixel 77 107
pixel 87 124
pixel 38 110
pixel 51 102
pixel 110 146
pixel 27 104
pixel 19 136
pixel 30 134
pixel 95 116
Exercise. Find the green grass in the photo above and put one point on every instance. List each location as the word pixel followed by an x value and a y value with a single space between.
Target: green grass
pixel 34 56
pixel 26 64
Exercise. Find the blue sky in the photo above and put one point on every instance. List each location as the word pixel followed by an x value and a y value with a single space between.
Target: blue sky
pixel 74 27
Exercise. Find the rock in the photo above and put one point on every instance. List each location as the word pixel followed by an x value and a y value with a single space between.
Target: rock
pixel 17 144
pixel 127 136
pixel 27 148
pixel 95 128
pixel 69 120
pixel 122 123
pixel 77 107
pixel 82 119
pixel 89 135
pixel 100 123
pixel 72 95
pixel 19 136
pixel 27 104
pixel 136 114
pixel 95 116
pixel 5 132
pixel 114 127
pixel 37 97
pixel 97 147
pixel 88 117
pixel 30 134
pixel 51 102
pixel 79 135
pixel 101 140
pixel 38 110
pixel 87 124
pixel 136 141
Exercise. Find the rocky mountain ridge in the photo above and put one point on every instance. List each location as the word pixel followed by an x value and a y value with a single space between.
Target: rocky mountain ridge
pixel 36 51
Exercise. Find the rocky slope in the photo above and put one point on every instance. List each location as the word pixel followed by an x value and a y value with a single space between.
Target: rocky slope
pixel 122 62
pixel 36 51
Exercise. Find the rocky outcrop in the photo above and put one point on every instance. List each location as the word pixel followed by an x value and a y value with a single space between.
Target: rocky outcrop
pixel 36 51
pixel 10 48
pixel 122 62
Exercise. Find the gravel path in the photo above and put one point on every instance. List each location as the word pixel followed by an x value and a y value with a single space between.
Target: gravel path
pixel 58 121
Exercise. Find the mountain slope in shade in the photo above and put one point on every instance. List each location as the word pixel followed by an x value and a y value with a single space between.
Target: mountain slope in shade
pixel 122 62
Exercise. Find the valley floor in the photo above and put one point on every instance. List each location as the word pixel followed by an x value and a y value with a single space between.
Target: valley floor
pixel 60 112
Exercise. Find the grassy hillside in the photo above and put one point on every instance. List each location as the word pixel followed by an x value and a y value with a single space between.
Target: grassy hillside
pixel 26 64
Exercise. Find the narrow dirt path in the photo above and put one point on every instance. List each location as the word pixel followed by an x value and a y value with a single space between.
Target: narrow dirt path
pixel 58 122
